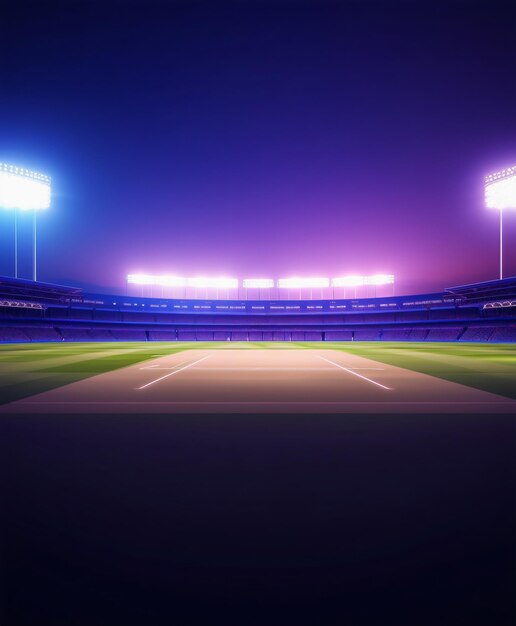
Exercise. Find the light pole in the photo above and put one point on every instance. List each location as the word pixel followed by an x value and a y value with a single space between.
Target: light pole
pixel 15 243
pixel 500 193
pixel 23 189
pixel 501 244
pixel 34 276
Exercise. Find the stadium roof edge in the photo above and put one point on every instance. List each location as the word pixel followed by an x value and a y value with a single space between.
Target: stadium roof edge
pixel 504 282
pixel 24 282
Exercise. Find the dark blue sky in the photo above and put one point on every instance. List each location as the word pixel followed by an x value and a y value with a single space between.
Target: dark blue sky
pixel 262 138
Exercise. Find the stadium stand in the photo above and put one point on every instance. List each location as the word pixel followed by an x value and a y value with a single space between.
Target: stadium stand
pixel 129 335
pixel 504 335
pixel 42 333
pixel 13 335
pixel 481 334
pixel 403 334
pixel 484 312
pixel 342 335
pixel 418 334
pixel 366 335
pixel 96 334
pixel 75 334
pixel 162 335
pixel 443 334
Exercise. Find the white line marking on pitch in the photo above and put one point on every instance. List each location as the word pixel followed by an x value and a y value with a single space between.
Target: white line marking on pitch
pixel 275 369
pixel 349 371
pixel 172 373
pixel 265 369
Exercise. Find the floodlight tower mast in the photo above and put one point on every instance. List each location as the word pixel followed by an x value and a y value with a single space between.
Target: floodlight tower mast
pixel 25 190
pixel 15 243
pixel 501 244
pixel 500 193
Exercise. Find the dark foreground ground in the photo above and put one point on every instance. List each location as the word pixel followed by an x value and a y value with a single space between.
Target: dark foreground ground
pixel 262 520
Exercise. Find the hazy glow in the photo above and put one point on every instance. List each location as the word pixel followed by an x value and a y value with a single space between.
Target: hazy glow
pixel 23 189
pixel 500 189
pixel 303 283
pixel 258 283
pixel 379 279
pixel 149 279
pixel 212 283
pixel 166 280
pixel 347 281
pixel 177 281
pixel 359 281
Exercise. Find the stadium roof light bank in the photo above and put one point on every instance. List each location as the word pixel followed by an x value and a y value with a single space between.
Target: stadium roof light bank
pixel 293 283
pixel 22 189
pixel 500 193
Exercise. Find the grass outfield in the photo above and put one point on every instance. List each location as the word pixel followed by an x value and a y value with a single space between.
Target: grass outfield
pixel 27 369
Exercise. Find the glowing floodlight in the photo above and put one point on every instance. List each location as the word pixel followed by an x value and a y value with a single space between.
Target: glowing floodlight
pixel 212 283
pixel 377 280
pixel 303 283
pixel 347 281
pixel 141 279
pixel 162 281
pixel 500 189
pixel 258 283
pixel 23 189
pixel 500 193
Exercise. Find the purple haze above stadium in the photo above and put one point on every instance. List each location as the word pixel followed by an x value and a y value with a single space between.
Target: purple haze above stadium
pixel 261 139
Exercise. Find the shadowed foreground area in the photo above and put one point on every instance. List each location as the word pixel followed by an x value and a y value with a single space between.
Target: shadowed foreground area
pixel 311 519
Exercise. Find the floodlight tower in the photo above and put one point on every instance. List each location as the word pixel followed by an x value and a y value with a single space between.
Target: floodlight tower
pixel 500 193
pixel 25 190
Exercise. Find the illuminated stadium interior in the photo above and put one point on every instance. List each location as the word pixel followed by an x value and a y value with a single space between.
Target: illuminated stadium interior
pixel 36 311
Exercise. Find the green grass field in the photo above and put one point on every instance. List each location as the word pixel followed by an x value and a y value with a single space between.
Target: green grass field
pixel 27 369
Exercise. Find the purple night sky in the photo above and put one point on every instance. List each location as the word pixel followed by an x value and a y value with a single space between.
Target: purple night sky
pixel 262 139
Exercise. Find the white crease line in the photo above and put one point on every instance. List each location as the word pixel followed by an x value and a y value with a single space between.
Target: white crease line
pixel 172 373
pixel 265 369
pixel 349 371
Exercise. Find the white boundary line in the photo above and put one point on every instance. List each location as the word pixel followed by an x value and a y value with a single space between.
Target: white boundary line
pixel 349 371
pixel 172 373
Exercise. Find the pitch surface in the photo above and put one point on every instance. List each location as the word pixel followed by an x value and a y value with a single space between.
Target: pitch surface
pixel 261 381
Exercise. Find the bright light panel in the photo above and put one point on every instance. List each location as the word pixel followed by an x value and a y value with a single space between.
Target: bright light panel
pixel 258 283
pixel 149 279
pixel 177 281
pixel 212 283
pixel 500 189
pixel 303 283
pixel 379 279
pixel 23 189
pixel 359 281
pixel 347 281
